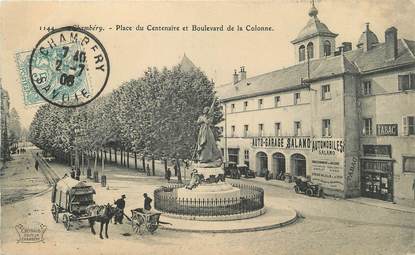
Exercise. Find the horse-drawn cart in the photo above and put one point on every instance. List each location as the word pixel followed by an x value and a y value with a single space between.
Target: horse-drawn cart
pixel 142 221
pixel 71 197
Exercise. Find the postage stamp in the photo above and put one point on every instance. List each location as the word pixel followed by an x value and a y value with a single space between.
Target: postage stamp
pixel 68 67
pixel 46 78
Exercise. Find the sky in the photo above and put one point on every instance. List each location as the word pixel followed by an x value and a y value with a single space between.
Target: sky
pixel 216 53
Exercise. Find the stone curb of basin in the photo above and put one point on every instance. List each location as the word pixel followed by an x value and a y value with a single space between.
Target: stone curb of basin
pixel 288 221
pixel 240 216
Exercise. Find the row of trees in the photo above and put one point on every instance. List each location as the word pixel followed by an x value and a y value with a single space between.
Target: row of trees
pixel 154 115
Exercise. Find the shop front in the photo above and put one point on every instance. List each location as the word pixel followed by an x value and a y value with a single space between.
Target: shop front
pixel 377 172
pixel 377 179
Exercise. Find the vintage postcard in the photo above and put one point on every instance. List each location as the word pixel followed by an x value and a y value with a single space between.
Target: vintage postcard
pixel 207 127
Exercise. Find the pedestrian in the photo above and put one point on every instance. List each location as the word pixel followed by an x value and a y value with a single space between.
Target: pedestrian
pixel 147 203
pixel 119 215
pixel 72 173
pixel 266 174
pixel 36 165
pixel 168 174
pixel 148 170
pixel 175 169
pixel 78 173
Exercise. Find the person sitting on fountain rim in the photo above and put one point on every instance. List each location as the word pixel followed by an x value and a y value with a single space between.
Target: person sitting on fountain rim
pixel 119 216
pixel 147 203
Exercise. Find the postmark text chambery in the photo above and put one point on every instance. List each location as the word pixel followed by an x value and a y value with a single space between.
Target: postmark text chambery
pixel 69 67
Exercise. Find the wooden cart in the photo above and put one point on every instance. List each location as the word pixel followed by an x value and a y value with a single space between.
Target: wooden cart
pixel 71 198
pixel 142 221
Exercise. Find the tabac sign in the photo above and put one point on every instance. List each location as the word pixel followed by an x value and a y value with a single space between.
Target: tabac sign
pixel 387 129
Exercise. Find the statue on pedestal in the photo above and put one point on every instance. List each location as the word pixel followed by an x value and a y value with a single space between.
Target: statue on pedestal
pixel 207 151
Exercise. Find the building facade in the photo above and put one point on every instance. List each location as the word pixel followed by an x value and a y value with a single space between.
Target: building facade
pixel 343 117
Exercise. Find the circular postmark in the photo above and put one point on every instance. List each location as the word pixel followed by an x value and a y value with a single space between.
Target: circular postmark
pixel 69 67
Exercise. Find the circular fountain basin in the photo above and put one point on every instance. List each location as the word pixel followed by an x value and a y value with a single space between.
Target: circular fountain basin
pixel 223 192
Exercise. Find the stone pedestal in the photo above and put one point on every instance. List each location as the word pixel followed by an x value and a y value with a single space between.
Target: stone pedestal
pixel 220 193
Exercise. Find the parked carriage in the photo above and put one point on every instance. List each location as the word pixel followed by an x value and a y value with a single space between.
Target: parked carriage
pixel 142 221
pixel 71 197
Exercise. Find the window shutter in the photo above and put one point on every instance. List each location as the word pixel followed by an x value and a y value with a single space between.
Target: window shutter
pixel 405 125
pixel 412 81
pixel 403 82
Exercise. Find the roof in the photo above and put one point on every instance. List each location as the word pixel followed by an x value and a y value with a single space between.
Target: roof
pixel 186 64
pixel 313 28
pixel 374 59
pixel 68 184
pixel 371 38
pixel 286 79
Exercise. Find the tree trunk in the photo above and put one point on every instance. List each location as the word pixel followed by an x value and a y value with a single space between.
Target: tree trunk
pixel 121 155
pixel 179 174
pixel 102 166
pixel 110 155
pixel 83 164
pixel 96 159
pixel 144 163
pixel 105 155
pixel 128 159
pixel 153 165
pixel 115 155
pixel 135 160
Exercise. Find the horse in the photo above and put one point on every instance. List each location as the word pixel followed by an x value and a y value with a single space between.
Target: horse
pixel 102 214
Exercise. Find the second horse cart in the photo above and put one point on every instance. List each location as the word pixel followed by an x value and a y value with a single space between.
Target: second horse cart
pixel 143 221
pixel 71 198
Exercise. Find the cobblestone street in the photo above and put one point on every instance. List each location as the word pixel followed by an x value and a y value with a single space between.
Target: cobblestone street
pixel 326 226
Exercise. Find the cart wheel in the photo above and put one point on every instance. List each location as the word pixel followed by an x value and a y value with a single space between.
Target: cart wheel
pixel 55 213
pixel 297 189
pixel 309 192
pixel 66 221
pixel 137 223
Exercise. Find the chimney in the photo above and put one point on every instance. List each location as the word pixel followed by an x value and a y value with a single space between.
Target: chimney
pixel 391 43
pixel 235 77
pixel 243 73
pixel 347 46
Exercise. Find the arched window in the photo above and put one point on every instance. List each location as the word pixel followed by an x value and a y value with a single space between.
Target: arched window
pixel 301 53
pixel 310 50
pixel 327 48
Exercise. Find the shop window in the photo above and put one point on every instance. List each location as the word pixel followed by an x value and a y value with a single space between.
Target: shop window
pixel 367 127
pixel 245 105
pixel 277 129
pixel 297 128
pixel 232 107
pixel 327 48
pixel 260 103
pixel 297 98
pixel 326 128
pixel 261 130
pixel 301 53
pixel 409 164
pixel 245 130
pixel 232 131
pixel 310 50
pixel 325 92
pixel 406 82
pixel 366 88
pixel 277 101
pixel 408 125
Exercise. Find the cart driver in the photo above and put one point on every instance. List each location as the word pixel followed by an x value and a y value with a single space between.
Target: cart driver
pixel 119 215
pixel 147 203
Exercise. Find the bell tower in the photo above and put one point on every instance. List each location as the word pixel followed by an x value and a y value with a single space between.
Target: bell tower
pixel 315 40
